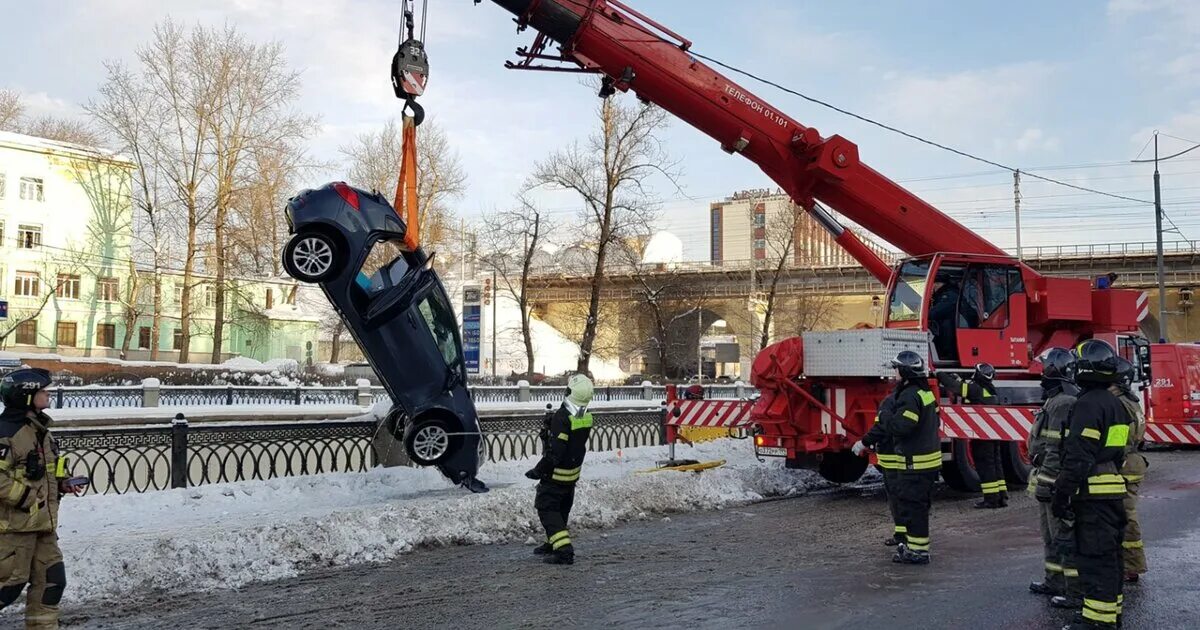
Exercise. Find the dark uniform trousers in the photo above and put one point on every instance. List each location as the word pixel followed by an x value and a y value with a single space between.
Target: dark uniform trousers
pixel 914 498
pixel 1099 528
pixel 553 503
pixel 889 486
pixel 989 466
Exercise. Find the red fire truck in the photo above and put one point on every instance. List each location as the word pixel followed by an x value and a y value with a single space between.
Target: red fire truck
pixel 958 299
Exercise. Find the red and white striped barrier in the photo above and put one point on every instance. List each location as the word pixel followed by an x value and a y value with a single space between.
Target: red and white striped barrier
pixel 977 422
pixel 1173 433
pixel 710 413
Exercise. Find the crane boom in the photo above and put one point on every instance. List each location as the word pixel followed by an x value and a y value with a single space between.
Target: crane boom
pixel 634 53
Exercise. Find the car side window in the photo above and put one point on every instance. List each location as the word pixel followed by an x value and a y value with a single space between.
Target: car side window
pixel 439 318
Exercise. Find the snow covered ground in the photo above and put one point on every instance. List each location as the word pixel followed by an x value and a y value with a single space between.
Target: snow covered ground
pixel 223 536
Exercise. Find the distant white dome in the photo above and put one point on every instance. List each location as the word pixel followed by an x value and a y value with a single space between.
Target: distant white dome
pixel 663 248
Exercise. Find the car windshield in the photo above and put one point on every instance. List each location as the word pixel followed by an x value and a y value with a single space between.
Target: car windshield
pixel 909 291
pixel 383 268
pixel 440 319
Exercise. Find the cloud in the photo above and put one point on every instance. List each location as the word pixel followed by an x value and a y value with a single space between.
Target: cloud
pixel 1034 139
pixel 968 107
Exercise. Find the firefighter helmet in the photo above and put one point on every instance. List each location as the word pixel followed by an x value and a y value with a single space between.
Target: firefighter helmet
pixel 18 387
pixel 984 372
pixel 1125 371
pixel 1058 364
pixel 910 365
pixel 1096 362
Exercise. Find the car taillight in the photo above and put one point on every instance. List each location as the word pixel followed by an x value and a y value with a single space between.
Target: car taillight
pixel 760 440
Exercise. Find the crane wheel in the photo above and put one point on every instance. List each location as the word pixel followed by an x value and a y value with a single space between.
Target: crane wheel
pixel 1016 465
pixel 959 473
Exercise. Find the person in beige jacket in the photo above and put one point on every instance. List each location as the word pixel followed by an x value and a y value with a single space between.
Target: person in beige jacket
pixel 30 477
pixel 1133 471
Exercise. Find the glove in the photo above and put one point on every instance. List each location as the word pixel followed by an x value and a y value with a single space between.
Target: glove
pixel 1060 507
pixel 35 469
pixel 859 448
pixel 532 473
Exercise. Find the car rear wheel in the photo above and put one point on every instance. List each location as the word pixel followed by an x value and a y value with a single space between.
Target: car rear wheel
pixel 311 257
pixel 428 442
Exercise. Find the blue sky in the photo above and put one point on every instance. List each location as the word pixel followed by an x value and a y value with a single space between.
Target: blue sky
pixel 1031 84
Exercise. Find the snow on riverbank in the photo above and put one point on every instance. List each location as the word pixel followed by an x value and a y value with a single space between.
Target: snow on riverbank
pixel 223 536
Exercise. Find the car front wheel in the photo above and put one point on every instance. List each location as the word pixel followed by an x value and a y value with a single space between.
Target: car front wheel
pixel 311 257
pixel 428 442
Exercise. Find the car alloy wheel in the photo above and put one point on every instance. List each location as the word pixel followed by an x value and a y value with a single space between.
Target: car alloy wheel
pixel 430 442
pixel 312 256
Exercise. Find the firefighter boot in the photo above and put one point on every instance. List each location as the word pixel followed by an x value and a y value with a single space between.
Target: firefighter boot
pixel 1065 602
pixel 542 549
pixel 988 502
pixel 904 555
pixel 566 555
pixel 1044 588
pixel 1004 498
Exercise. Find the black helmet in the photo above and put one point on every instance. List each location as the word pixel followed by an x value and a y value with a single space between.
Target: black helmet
pixel 18 387
pixel 984 372
pixel 1125 371
pixel 910 365
pixel 1058 364
pixel 1096 362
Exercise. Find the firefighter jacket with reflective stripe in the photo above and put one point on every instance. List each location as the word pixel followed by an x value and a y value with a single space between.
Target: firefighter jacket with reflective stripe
pixel 568 437
pixel 973 392
pixel 1094 447
pixel 29 473
pixel 909 418
pixel 1135 465
pixel 1045 438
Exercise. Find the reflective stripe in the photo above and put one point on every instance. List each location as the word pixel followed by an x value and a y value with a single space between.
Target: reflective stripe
pixel 558 536
pixel 564 437
pixel 1100 606
pixel 928 461
pixel 1133 478
pixel 560 543
pixel 987 394
pixel 1092 615
pixel 1091 433
pixel 1069 572
pixel 1051 435
pixel 581 423
pixel 1107 483
pixel 1053 568
pixel 1132 544
pixel 900 529
pixel 17 492
pixel 60 469
pixel 4 465
pixel 965 388
pixel 917 543
pixel 1118 435
pixel 1044 478
pixel 927 397
pixel 919 540
pixel 876 418
pixel 911 415
pixel 563 474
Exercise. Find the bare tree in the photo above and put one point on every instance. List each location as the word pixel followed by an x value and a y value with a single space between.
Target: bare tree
pixel 374 164
pixel 12 109
pixel 779 248
pixel 251 90
pixel 125 109
pixel 611 173
pixel 511 240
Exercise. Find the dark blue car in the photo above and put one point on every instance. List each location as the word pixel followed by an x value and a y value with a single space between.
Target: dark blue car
pixel 351 243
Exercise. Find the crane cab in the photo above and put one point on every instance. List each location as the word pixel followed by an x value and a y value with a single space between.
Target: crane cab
pixel 974 307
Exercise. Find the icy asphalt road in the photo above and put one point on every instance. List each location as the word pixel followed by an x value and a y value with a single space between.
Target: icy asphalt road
pixel 812 562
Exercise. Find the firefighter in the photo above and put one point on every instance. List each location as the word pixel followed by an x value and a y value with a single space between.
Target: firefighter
pixel 559 468
pixel 987 454
pixel 1045 451
pixel 909 417
pixel 1134 556
pixel 30 478
pixel 1089 490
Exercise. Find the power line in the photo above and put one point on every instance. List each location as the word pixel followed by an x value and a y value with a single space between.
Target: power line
pixel 910 135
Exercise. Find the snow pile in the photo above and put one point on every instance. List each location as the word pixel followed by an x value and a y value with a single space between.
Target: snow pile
pixel 286 366
pixel 224 536
pixel 245 363
pixel 330 369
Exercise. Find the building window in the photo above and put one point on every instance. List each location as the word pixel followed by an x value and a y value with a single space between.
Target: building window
pixel 715 244
pixel 210 295
pixel 760 244
pixel 108 289
pixel 27 284
pixel 270 298
pixel 106 335
pixel 32 189
pixel 29 236
pixel 3 185
pixel 27 333
pixel 177 294
pixel 66 334
pixel 144 337
pixel 177 342
pixel 760 220
pixel 68 287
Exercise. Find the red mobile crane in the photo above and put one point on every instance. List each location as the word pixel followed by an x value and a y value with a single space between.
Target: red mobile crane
pixel 815 401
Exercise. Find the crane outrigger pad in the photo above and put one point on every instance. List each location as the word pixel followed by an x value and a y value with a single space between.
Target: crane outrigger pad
pixel 684 465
